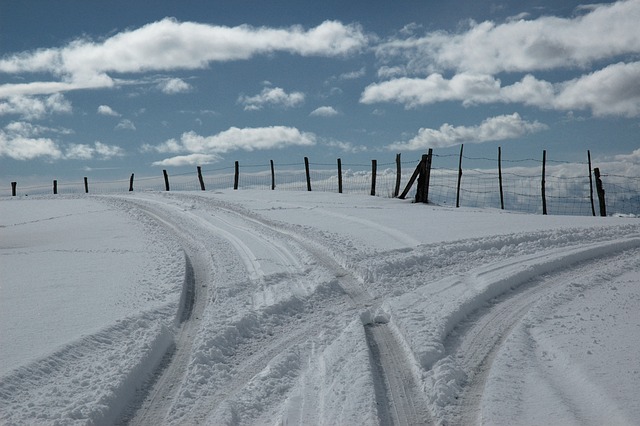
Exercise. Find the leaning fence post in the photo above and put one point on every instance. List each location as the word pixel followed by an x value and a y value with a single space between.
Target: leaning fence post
pixel 374 172
pixel 459 177
pixel 166 180
pixel 131 183
pixel 273 176
pixel 500 177
pixel 306 170
pixel 544 199
pixel 13 188
pixel 236 176
pixel 600 190
pixel 339 176
pixel 398 175
pixel 428 173
pixel 200 178
pixel 55 186
pixel 86 185
pixel 593 209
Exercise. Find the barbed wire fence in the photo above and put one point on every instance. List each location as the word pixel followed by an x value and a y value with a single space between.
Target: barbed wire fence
pixel 509 184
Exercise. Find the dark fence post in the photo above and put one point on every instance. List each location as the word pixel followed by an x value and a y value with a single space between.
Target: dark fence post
pixel 398 175
pixel 306 170
pixel 459 177
pixel 55 186
pixel 412 179
pixel 500 177
pixel 422 193
pixel 339 176
pixel 374 172
pixel 428 173
pixel 593 209
pixel 600 190
pixel 86 185
pixel 166 180
pixel 236 176
pixel 544 198
pixel 200 178
pixel 13 188
pixel 273 176
pixel 131 183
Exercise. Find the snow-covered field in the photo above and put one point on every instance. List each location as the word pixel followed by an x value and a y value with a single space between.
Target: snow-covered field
pixel 269 307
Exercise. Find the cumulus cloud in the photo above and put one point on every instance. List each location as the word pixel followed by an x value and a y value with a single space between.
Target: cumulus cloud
pixel 324 111
pixel 169 45
pixel 125 124
pixel 97 150
pixel 232 139
pixel 173 86
pixel 35 107
pixel 605 31
pixel 492 129
pixel 106 110
pixel 188 160
pixel 272 96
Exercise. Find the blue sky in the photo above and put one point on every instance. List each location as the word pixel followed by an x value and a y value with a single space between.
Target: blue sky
pixel 105 89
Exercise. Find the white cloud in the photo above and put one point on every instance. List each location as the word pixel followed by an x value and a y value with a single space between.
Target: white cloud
pixel 233 139
pixel 324 111
pixel 353 75
pixel 272 96
pixel 33 108
pixel 346 146
pixel 605 31
pixel 125 124
pixel 188 160
pixel 492 129
pixel 173 86
pixel 106 110
pixel 169 45
pixel 633 158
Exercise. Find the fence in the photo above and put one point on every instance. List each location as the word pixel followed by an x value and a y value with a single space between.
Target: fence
pixel 529 185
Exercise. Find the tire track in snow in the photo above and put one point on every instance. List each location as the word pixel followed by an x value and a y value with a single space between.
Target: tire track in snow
pixel 474 343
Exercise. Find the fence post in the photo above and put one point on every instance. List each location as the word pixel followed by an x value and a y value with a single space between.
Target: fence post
pixel 273 176
pixel 544 199
pixel 55 186
pixel 398 176
pixel 86 185
pixel 306 170
pixel 200 178
pixel 459 177
pixel 236 176
pixel 428 172
pixel 166 180
pixel 500 177
pixel 339 176
pixel 374 172
pixel 593 209
pixel 131 183
pixel 600 190
pixel 422 193
pixel 13 188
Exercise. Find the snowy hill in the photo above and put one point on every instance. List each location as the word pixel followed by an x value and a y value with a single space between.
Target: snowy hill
pixel 268 307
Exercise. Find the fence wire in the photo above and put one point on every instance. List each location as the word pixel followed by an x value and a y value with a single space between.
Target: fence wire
pixel 568 189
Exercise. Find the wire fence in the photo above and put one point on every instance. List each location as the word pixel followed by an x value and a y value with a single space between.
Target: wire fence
pixel 569 186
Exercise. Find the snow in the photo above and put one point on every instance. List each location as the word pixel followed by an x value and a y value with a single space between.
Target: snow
pixel 256 307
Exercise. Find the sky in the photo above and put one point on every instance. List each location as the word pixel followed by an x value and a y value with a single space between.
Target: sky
pixel 105 89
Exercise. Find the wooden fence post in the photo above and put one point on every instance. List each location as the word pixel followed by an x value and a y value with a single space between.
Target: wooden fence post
pixel 593 209
pixel 166 180
pixel 86 185
pixel 600 190
pixel 544 198
pixel 306 170
pixel 236 176
pixel 374 172
pixel 13 188
pixel 412 179
pixel 459 177
pixel 273 176
pixel 398 175
pixel 500 177
pixel 339 176
pixel 422 193
pixel 131 183
pixel 55 186
pixel 428 173
pixel 200 179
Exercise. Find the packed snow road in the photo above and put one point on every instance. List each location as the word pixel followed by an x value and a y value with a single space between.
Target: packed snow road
pixel 299 308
